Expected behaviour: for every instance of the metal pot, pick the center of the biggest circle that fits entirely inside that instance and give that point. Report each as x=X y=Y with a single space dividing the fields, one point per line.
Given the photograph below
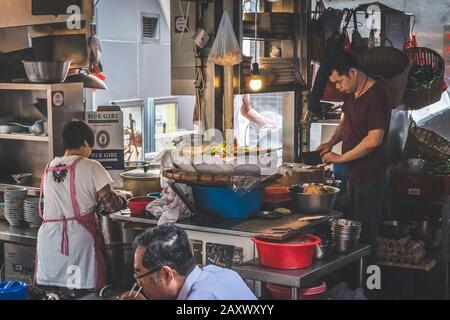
x=111 y=230
x=47 y=71
x=428 y=231
x=311 y=204
x=133 y=165
x=141 y=183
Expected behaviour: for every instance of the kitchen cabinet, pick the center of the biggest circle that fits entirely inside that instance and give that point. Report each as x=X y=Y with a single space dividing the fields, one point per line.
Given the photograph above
x=27 y=153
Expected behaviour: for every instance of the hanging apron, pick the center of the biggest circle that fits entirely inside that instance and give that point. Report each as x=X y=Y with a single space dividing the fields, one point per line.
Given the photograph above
x=88 y=221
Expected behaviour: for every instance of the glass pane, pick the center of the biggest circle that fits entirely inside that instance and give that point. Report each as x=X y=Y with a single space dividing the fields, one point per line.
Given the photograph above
x=133 y=133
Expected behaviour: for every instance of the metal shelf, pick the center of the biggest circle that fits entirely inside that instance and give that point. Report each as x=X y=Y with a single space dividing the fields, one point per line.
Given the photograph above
x=24 y=86
x=24 y=137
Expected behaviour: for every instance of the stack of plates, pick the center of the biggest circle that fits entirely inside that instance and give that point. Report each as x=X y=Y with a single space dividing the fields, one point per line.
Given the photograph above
x=31 y=212
x=346 y=233
x=14 y=198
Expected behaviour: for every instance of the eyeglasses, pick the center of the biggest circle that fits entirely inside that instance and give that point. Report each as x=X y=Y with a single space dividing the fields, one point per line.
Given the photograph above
x=138 y=276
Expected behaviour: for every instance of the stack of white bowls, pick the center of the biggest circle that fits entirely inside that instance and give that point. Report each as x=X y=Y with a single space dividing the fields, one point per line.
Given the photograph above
x=31 y=212
x=14 y=199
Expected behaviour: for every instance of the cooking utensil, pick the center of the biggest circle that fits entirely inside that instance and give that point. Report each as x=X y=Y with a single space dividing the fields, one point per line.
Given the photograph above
x=312 y=158
x=346 y=233
x=314 y=204
x=47 y=71
x=88 y=80
x=325 y=249
x=141 y=183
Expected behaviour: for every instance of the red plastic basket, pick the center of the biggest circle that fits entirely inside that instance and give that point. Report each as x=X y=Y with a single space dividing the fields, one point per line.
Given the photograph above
x=285 y=293
x=287 y=256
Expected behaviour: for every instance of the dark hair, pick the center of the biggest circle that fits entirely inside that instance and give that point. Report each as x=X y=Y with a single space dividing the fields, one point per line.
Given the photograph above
x=166 y=245
x=343 y=62
x=75 y=133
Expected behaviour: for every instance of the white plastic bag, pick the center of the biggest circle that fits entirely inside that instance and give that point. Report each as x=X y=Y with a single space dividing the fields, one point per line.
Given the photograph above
x=225 y=50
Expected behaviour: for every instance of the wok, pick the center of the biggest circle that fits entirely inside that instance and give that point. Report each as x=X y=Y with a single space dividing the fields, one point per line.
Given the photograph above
x=88 y=80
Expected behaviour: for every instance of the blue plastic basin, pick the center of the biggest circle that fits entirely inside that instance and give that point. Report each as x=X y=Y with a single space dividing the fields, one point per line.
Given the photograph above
x=13 y=290
x=227 y=203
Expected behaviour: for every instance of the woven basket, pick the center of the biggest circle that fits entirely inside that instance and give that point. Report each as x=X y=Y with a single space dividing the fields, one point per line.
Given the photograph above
x=213 y=180
x=425 y=144
x=418 y=98
x=390 y=64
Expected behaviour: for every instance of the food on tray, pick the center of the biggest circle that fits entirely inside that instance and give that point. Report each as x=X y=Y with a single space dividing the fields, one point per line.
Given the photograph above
x=283 y=211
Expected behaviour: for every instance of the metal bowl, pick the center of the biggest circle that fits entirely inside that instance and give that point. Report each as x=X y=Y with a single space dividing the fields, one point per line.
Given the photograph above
x=312 y=204
x=47 y=71
x=325 y=249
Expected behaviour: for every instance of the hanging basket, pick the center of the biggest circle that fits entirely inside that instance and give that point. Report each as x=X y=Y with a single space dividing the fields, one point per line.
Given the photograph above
x=422 y=97
x=390 y=64
x=425 y=144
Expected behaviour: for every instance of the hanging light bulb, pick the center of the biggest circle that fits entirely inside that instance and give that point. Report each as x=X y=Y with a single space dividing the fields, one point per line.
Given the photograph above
x=256 y=81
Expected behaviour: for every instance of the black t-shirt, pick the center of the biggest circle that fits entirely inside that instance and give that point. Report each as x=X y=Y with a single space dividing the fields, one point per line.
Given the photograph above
x=368 y=112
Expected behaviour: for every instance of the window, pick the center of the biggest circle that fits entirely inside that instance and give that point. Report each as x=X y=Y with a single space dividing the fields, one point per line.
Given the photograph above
x=150 y=27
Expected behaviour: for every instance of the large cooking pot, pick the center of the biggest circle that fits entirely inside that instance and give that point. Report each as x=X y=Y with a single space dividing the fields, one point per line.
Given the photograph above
x=141 y=183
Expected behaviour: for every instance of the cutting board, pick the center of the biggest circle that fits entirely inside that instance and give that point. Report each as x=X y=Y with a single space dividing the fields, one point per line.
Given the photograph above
x=271 y=229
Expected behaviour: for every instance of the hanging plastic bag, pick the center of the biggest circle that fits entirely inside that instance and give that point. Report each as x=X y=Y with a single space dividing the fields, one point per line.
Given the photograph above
x=225 y=50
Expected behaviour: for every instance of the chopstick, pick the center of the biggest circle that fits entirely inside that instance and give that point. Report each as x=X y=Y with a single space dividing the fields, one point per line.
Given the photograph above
x=132 y=289
x=138 y=292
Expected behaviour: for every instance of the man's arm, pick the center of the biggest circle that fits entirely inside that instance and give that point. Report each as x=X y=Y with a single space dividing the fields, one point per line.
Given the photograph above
x=373 y=140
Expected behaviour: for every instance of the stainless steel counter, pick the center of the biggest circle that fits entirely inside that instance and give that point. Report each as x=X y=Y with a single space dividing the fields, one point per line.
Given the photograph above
x=208 y=224
x=20 y=235
x=252 y=270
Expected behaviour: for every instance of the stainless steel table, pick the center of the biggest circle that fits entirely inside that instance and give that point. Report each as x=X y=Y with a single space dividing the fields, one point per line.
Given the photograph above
x=252 y=270
x=20 y=235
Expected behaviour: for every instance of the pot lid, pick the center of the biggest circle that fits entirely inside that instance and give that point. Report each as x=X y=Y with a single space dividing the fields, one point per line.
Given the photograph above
x=139 y=174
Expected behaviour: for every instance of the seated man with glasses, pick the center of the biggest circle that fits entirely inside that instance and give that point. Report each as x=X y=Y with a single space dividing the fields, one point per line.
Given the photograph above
x=165 y=270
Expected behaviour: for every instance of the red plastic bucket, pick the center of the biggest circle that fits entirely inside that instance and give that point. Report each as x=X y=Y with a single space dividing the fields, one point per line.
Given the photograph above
x=285 y=293
x=286 y=255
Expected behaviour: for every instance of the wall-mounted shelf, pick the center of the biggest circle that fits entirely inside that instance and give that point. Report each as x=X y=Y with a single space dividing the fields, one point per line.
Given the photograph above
x=24 y=137
x=24 y=86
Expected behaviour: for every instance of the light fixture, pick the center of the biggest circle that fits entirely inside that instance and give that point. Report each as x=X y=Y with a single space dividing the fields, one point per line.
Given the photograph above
x=256 y=81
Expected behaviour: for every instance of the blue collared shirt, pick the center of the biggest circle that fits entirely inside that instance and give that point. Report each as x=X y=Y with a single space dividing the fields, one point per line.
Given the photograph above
x=214 y=283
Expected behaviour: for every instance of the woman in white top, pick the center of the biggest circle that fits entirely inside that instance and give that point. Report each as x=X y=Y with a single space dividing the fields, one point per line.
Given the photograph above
x=69 y=243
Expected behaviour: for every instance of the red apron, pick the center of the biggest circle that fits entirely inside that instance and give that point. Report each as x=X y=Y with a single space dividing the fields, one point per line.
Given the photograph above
x=88 y=221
